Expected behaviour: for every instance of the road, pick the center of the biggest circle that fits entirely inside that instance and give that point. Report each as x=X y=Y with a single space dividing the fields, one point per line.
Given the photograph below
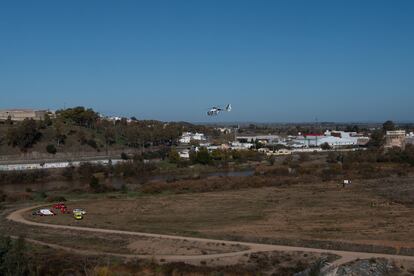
x=55 y=165
x=345 y=256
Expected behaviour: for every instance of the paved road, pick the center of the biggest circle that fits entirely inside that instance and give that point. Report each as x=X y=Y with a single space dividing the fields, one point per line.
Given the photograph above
x=345 y=256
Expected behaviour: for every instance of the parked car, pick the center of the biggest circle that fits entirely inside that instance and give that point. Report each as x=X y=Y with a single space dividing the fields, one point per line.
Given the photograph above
x=79 y=210
x=59 y=206
x=44 y=212
x=78 y=215
x=65 y=210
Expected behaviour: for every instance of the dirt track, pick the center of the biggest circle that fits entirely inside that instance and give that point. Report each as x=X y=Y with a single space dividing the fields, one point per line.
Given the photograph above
x=346 y=256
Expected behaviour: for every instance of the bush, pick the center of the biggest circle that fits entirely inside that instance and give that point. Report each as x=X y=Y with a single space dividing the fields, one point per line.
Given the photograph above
x=68 y=172
x=272 y=160
x=87 y=170
x=173 y=156
x=288 y=160
x=124 y=156
x=325 y=146
x=92 y=143
x=42 y=194
x=51 y=149
x=3 y=196
x=25 y=135
x=133 y=168
x=124 y=189
x=94 y=184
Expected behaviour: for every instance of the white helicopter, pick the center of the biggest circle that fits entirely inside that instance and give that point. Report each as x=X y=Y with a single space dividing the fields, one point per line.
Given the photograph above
x=214 y=111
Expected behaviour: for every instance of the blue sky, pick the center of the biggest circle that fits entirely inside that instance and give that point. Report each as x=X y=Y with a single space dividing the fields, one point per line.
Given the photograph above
x=275 y=61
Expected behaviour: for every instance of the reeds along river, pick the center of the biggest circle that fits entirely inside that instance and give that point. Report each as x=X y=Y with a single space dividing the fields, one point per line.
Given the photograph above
x=117 y=183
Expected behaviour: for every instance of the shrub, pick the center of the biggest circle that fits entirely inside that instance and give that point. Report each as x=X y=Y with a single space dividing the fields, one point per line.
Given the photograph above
x=94 y=184
x=173 y=156
x=272 y=160
x=87 y=170
x=68 y=172
x=325 y=146
x=3 y=196
x=124 y=189
x=124 y=156
x=51 y=149
x=92 y=143
x=25 y=135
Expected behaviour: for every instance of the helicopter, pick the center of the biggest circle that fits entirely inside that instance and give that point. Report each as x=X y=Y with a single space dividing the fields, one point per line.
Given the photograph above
x=214 y=111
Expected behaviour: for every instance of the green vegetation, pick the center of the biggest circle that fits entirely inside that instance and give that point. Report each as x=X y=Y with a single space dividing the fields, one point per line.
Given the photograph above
x=51 y=149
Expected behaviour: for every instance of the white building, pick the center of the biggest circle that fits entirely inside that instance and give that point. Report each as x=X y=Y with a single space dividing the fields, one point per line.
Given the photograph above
x=184 y=154
x=264 y=139
x=332 y=138
x=224 y=130
x=241 y=146
x=187 y=137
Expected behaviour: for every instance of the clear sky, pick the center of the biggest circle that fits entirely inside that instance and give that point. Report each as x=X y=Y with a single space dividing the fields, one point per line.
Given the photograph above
x=275 y=61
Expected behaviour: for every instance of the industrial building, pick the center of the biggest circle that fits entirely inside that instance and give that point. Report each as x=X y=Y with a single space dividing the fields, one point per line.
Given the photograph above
x=395 y=138
x=264 y=139
x=334 y=139
x=21 y=114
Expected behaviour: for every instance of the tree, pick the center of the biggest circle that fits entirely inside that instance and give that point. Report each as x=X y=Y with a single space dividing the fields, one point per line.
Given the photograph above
x=24 y=135
x=47 y=120
x=203 y=156
x=51 y=149
x=173 y=156
x=388 y=125
x=58 y=132
x=326 y=146
x=109 y=135
x=377 y=139
x=124 y=156
x=79 y=116
x=94 y=184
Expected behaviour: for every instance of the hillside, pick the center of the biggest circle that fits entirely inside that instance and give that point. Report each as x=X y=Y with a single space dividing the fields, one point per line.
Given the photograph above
x=83 y=131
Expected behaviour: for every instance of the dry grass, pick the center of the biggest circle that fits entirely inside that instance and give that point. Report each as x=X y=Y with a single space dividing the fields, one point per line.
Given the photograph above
x=323 y=211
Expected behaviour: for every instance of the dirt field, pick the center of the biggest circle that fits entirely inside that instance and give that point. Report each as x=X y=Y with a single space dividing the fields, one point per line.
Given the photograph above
x=366 y=213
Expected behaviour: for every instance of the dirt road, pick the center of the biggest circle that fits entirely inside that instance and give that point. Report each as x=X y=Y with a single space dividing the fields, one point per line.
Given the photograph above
x=345 y=256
